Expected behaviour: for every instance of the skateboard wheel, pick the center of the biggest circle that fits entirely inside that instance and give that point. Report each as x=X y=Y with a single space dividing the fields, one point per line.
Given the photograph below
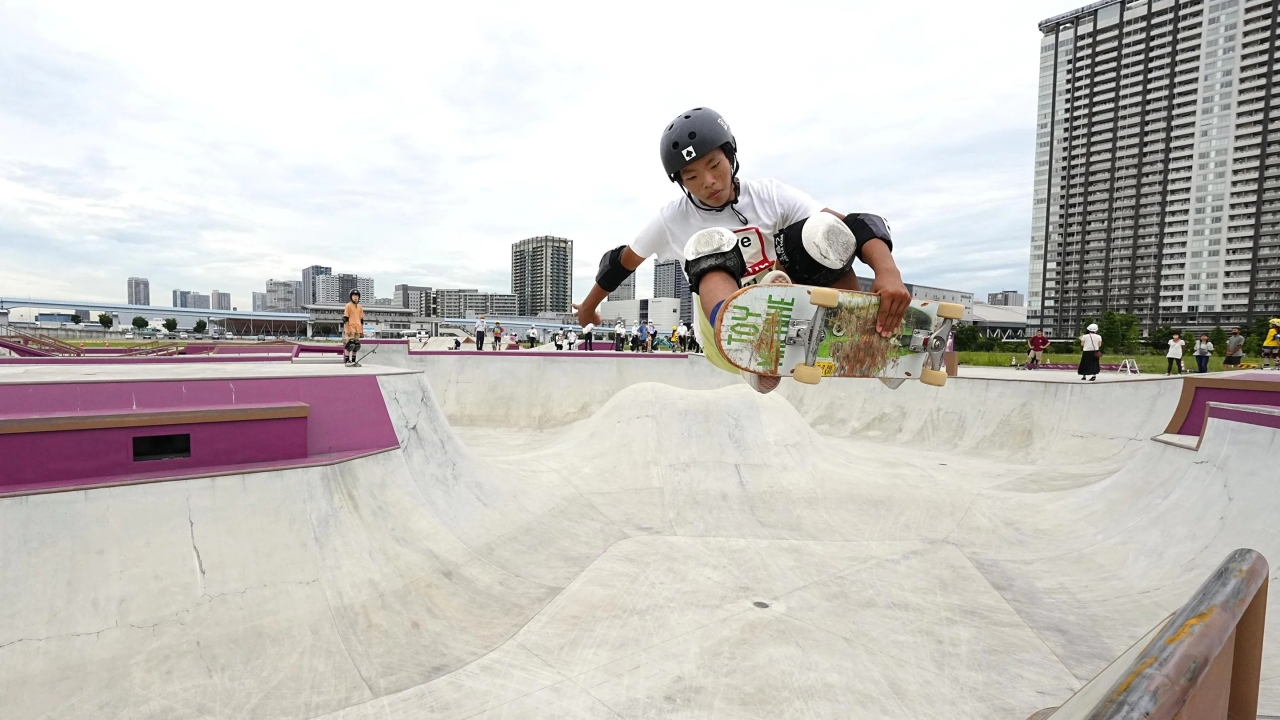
x=824 y=297
x=950 y=311
x=936 y=378
x=808 y=374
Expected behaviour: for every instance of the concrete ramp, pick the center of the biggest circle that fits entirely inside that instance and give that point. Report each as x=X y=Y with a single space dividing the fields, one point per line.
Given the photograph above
x=651 y=540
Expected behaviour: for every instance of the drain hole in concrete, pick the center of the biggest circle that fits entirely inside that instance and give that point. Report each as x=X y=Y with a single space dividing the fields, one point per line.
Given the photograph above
x=760 y=604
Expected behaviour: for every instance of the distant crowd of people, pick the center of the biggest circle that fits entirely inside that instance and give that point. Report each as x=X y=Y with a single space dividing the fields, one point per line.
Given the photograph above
x=640 y=337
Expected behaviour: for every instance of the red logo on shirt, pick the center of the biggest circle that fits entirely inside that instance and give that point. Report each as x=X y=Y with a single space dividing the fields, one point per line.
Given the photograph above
x=754 y=250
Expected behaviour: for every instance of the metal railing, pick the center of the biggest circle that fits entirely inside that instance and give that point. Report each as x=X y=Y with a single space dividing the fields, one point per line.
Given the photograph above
x=42 y=342
x=1204 y=662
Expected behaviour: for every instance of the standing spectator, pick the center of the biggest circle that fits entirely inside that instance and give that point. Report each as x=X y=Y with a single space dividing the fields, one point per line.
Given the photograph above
x=619 y=335
x=1039 y=343
x=559 y=338
x=1174 y=356
x=651 y=337
x=499 y=334
x=532 y=335
x=682 y=337
x=1091 y=353
x=586 y=336
x=635 y=337
x=480 y=328
x=693 y=339
x=572 y=336
x=1235 y=350
x=1202 y=351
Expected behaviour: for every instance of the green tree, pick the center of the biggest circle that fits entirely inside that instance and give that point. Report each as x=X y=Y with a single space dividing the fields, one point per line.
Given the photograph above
x=105 y=321
x=200 y=327
x=1160 y=338
x=1119 y=332
x=1218 y=337
x=140 y=322
x=76 y=319
x=170 y=324
x=968 y=337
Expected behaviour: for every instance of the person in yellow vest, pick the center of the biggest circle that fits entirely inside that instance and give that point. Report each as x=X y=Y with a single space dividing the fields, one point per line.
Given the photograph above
x=1271 y=346
x=352 y=329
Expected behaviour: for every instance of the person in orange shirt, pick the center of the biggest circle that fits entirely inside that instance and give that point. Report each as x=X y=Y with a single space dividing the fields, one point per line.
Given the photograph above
x=352 y=329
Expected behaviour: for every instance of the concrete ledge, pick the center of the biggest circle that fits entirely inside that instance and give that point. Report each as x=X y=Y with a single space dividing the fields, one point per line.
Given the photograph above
x=91 y=420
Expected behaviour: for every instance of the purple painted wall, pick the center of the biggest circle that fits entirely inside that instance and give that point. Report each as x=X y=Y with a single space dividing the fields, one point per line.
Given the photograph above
x=1194 y=422
x=347 y=415
x=1245 y=416
x=69 y=458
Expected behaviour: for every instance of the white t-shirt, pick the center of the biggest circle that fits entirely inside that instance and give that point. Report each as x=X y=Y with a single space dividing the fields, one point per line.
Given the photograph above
x=587 y=330
x=768 y=206
x=480 y=326
x=1090 y=342
x=532 y=333
x=681 y=331
x=1175 y=348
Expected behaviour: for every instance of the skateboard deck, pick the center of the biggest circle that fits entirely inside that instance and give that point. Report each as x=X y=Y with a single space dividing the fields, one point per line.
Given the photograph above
x=809 y=333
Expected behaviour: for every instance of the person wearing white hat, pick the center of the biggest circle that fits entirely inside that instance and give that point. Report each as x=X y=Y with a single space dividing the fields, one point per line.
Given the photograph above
x=1091 y=352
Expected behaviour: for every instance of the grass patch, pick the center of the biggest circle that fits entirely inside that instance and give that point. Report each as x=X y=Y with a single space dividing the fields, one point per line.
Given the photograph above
x=1146 y=363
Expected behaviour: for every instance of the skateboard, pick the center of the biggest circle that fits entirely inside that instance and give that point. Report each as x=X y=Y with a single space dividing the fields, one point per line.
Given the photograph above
x=367 y=354
x=809 y=333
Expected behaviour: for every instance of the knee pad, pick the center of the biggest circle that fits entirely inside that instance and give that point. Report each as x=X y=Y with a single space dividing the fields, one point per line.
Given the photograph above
x=713 y=249
x=816 y=250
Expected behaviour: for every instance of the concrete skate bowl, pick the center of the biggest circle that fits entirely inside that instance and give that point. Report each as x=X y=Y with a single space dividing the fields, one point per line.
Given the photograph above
x=657 y=542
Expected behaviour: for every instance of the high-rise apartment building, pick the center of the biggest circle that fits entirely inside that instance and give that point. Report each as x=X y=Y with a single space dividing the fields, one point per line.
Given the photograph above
x=625 y=291
x=309 y=276
x=1157 y=179
x=199 y=301
x=417 y=297
x=1008 y=298
x=220 y=301
x=337 y=289
x=456 y=303
x=669 y=281
x=181 y=298
x=259 y=302
x=542 y=274
x=139 y=291
x=284 y=296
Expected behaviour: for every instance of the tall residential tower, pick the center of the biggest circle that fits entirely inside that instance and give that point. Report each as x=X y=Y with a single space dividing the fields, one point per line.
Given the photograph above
x=542 y=274
x=1157 y=178
x=669 y=281
x=139 y=291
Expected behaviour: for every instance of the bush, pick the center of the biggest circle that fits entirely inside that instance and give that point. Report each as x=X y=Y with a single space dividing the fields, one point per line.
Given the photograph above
x=1218 y=337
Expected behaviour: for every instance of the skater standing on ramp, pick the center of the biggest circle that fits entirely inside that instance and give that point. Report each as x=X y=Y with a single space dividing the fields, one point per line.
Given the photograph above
x=730 y=232
x=1271 y=346
x=1091 y=353
x=352 y=329
x=1036 y=354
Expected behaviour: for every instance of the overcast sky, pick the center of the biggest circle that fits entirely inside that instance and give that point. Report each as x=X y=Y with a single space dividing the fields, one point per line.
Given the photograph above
x=414 y=142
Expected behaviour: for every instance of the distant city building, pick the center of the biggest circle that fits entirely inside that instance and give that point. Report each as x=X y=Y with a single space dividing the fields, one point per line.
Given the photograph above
x=259 y=302
x=337 y=288
x=284 y=296
x=309 y=276
x=664 y=312
x=220 y=301
x=1010 y=298
x=625 y=291
x=542 y=274
x=1002 y=322
x=466 y=303
x=185 y=298
x=925 y=292
x=388 y=302
x=418 y=298
x=669 y=281
x=1156 y=166
x=199 y=301
x=139 y=291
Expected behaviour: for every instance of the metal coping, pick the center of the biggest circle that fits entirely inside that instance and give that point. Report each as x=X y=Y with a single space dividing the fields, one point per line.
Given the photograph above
x=1046 y=24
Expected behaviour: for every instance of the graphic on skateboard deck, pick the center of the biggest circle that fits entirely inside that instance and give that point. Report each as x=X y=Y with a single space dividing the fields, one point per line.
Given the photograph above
x=810 y=332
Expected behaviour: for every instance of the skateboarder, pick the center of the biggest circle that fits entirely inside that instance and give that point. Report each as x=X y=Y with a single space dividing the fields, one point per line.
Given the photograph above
x=352 y=329
x=1271 y=346
x=730 y=232
x=1036 y=354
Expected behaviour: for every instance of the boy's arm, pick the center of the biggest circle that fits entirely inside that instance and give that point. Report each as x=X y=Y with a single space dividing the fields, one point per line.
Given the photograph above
x=894 y=296
x=586 y=311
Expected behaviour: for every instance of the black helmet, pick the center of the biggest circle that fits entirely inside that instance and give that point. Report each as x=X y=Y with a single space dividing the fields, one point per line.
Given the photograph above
x=354 y=292
x=694 y=134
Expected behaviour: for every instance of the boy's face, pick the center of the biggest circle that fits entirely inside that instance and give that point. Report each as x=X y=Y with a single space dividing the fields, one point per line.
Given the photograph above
x=709 y=178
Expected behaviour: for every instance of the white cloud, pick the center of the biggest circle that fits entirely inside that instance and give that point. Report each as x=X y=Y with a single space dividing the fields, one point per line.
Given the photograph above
x=219 y=145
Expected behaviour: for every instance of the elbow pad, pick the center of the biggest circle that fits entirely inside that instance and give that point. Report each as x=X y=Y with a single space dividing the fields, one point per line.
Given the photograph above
x=612 y=272
x=867 y=227
x=345 y=320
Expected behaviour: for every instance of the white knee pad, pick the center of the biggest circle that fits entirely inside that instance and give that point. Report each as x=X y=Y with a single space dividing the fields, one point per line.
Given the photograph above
x=829 y=241
x=709 y=242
